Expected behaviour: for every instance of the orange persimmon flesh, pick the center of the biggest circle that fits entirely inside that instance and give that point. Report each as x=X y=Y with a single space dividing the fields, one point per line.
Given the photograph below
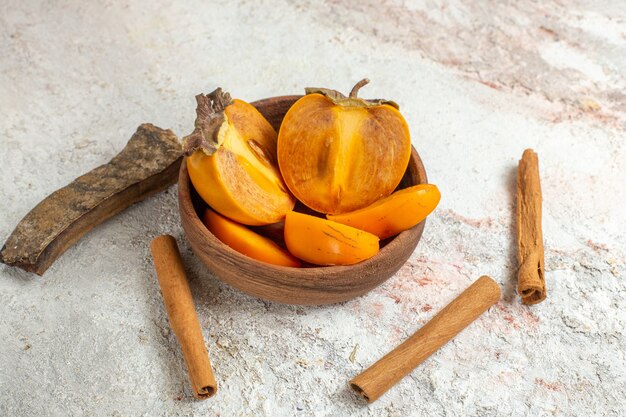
x=245 y=241
x=324 y=242
x=398 y=212
x=338 y=155
x=240 y=179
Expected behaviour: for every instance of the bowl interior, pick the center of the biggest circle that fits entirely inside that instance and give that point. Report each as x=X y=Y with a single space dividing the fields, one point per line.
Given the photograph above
x=311 y=285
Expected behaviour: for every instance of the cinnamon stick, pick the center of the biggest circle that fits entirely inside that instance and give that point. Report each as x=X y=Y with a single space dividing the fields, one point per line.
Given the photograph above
x=182 y=314
x=457 y=315
x=531 y=284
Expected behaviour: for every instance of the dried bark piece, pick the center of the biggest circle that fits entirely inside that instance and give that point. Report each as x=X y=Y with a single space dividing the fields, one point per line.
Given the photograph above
x=148 y=164
x=531 y=283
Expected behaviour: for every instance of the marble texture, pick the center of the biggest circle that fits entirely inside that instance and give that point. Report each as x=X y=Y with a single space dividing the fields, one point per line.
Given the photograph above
x=478 y=83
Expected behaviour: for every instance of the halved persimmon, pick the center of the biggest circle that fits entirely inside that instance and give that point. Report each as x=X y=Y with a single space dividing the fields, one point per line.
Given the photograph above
x=324 y=242
x=231 y=159
x=245 y=241
x=338 y=154
x=394 y=214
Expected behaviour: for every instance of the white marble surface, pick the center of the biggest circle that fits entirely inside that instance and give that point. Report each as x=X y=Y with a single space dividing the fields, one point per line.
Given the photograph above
x=477 y=81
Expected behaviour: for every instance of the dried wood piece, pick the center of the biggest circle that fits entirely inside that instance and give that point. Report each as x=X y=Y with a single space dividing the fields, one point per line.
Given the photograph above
x=456 y=316
x=148 y=164
x=531 y=283
x=182 y=314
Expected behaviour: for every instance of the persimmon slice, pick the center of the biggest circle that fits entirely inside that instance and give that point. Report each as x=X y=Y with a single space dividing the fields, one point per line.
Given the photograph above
x=338 y=154
x=231 y=160
x=245 y=241
x=391 y=215
x=324 y=242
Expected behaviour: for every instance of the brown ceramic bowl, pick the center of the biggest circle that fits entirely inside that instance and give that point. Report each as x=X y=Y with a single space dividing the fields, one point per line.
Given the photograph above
x=315 y=285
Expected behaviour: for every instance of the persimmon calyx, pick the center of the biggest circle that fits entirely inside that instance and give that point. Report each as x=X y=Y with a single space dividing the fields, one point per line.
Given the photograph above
x=351 y=100
x=210 y=118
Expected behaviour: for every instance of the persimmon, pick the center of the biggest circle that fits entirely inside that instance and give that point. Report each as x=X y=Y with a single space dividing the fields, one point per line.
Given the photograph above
x=245 y=241
x=324 y=242
x=338 y=154
x=231 y=159
x=394 y=214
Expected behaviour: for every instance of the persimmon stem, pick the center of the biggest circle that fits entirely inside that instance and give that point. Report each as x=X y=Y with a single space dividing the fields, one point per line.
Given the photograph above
x=209 y=119
x=357 y=87
x=192 y=142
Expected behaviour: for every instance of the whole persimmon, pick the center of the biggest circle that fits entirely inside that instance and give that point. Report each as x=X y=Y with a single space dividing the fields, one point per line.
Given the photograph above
x=231 y=159
x=338 y=154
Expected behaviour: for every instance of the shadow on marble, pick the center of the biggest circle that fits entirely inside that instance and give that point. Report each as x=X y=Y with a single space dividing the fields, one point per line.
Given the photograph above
x=509 y=284
x=18 y=274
